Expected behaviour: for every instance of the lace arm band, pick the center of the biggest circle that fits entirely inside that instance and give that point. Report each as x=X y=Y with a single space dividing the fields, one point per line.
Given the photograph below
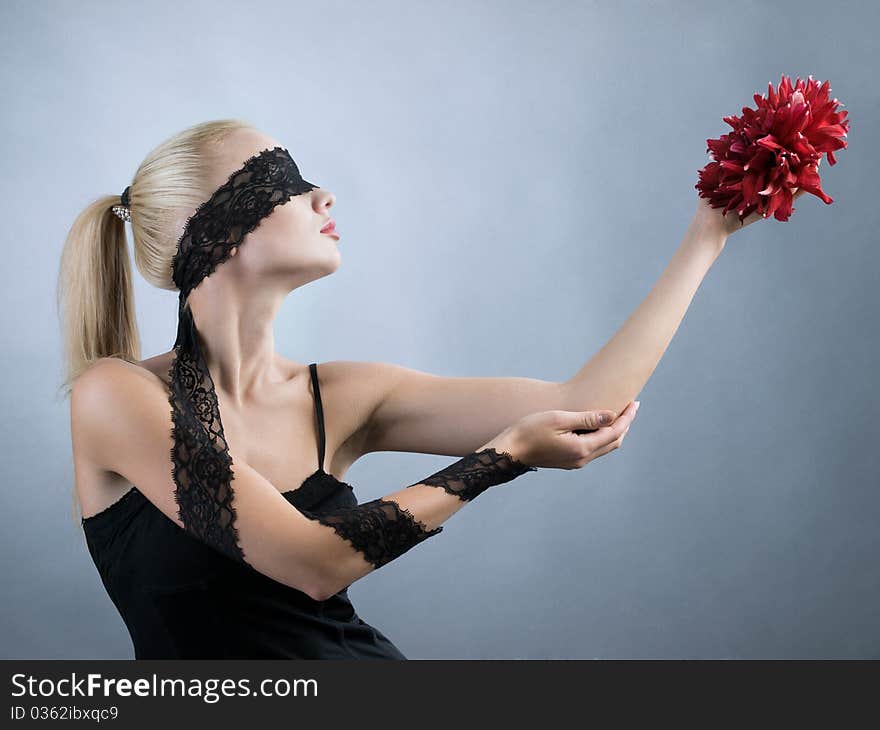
x=381 y=530
x=475 y=473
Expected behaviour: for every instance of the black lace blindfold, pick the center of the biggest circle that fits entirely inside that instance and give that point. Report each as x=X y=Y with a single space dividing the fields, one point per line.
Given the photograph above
x=200 y=455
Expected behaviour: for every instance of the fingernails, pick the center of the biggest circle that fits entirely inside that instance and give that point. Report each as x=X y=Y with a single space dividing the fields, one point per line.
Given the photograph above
x=637 y=404
x=605 y=418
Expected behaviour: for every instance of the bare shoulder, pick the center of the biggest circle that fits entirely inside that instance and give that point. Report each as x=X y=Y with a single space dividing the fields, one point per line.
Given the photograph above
x=100 y=397
x=108 y=375
x=369 y=372
x=364 y=383
x=358 y=387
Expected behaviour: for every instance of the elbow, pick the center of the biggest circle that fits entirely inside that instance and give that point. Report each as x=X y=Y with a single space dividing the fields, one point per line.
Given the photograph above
x=318 y=594
x=331 y=582
x=317 y=587
x=323 y=585
x=326 y=571
x=323 y=591
x=308 y=578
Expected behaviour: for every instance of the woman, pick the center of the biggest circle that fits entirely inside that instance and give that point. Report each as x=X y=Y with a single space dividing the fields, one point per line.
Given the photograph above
x=235 y=547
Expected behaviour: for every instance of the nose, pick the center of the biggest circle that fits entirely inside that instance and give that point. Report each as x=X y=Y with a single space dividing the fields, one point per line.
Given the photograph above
x=325 y=198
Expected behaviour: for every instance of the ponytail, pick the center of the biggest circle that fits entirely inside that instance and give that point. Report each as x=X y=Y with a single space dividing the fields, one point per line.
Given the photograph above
x=95 y=297
x=95 y=294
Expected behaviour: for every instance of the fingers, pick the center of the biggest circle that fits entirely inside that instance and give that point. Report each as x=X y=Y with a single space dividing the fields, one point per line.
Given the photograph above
x=608 y=438
x=614 y=443
x=607 y=448
x=608 y=434
x=587 y=420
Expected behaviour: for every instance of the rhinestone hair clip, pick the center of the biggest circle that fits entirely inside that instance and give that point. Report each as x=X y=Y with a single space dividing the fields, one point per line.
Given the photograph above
x=123 y=209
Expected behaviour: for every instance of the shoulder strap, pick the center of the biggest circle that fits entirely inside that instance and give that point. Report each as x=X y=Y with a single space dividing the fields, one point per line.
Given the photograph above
x=319 y=409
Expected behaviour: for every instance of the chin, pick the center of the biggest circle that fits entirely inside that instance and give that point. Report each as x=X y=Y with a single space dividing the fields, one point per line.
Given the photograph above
x=330 y=262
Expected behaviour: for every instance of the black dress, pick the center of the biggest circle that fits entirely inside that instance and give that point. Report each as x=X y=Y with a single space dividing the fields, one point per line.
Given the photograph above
x=181 y=599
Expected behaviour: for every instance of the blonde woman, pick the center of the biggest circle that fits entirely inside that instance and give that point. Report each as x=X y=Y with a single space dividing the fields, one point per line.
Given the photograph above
x=236 y=537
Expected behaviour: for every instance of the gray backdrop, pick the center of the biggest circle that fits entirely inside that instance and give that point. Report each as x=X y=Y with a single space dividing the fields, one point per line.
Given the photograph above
x=511 y=179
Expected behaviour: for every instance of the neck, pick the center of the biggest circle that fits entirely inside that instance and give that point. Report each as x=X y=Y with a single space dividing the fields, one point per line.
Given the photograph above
x=236 y=333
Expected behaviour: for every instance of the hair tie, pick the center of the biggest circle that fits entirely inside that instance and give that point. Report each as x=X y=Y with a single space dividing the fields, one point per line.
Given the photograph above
x=123 y=209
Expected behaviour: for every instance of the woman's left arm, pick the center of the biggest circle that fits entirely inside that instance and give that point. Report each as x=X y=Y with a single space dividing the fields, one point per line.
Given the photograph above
x=615 y=375
x=401 y=409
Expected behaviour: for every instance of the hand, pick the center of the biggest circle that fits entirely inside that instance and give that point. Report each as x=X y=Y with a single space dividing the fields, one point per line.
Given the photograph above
x=563 y=439
x=710 y=219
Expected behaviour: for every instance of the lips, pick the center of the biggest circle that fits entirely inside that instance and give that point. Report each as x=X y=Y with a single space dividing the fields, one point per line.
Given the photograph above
x=330 y=227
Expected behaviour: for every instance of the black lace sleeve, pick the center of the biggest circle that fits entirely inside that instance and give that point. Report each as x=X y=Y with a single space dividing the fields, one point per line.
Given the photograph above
x=382 y=530
x=475 y=473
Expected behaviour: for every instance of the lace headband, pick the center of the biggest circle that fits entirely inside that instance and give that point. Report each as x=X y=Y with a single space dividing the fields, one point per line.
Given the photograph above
x=200 y=455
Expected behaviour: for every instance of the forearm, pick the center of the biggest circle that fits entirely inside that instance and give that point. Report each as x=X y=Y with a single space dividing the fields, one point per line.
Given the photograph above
x=376 y=532
x=615 y=375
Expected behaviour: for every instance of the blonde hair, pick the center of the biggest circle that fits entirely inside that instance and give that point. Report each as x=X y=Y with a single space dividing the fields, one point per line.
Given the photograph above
x=95 y=298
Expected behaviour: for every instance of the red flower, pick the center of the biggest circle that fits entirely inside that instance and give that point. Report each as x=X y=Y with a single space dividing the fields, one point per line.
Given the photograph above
x=773 y=149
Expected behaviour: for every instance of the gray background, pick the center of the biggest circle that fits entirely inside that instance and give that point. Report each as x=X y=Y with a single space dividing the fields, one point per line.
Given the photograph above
x=511 y=178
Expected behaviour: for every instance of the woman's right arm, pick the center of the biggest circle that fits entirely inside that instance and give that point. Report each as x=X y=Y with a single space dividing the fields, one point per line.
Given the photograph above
x=124 y=424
